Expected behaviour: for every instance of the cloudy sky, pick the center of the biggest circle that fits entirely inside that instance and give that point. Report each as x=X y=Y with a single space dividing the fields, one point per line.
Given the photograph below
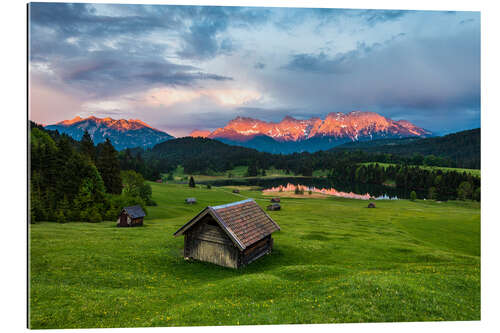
x=181 y=68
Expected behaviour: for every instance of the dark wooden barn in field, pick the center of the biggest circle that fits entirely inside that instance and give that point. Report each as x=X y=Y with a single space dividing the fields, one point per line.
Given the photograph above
x=231 y=235
x=132 y=216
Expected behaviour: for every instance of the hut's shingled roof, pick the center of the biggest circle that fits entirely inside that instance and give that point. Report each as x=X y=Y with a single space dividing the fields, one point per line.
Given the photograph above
x=244 y=221
x=134 y=211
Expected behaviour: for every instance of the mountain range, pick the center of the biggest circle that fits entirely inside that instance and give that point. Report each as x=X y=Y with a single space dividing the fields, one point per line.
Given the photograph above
x=122 y=133
x=287 y=136
x=295 y=135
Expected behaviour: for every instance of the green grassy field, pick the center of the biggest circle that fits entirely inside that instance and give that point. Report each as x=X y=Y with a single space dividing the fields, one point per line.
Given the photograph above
x=334 y=261
x=474 y=172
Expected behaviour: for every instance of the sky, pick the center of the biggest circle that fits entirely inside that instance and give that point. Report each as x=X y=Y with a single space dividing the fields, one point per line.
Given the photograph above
x=181 y=68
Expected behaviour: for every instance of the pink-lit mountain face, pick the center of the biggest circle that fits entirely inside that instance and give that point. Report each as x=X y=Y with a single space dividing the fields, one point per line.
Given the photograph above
x=355 y=125
x=293 y=135
x=121 y=132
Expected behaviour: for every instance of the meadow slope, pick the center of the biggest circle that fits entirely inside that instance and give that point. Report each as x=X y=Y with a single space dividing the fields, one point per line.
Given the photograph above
x=334 y=261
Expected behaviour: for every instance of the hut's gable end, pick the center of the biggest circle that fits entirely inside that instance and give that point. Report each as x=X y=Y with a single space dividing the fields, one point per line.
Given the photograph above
x=206 y=241
x=208 y=229
x=216 y=253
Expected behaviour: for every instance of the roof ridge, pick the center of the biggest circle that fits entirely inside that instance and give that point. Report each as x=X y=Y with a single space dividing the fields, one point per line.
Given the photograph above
x=232 y=204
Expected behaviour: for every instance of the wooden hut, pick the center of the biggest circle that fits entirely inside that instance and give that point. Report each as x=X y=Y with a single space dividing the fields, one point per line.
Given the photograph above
x=231 y=235
x=190 y=201
x=132 y=216
x=276 y=199
x=274 y=206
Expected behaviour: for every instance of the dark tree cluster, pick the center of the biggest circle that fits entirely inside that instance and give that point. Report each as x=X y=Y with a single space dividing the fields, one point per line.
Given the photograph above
x=150 y=167
x=75 y=180
x=345 y=171
x=437 y=184
x=434 y=184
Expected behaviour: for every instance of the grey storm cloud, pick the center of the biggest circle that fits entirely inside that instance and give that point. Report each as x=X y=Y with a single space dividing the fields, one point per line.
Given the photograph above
x=342 y=62
x=290 y=17
x=200 y=39
x=129 y=65
x=198 y=26
x=259 y=65
x=109 y=73
x=375 y=16
x=70 y=19
x=92 y=64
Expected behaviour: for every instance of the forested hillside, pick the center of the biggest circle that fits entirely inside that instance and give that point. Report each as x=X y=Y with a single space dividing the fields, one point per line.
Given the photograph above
x=462 y=149
x=78 y=181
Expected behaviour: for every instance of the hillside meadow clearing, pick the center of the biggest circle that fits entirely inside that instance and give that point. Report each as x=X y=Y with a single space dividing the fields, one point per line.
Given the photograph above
x=334 y=261
x=473 y=172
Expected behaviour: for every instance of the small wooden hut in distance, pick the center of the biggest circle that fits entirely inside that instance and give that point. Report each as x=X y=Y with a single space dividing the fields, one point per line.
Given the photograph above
x=274 y=206
x=191 y=201
x=231 y=235
x=131 y=217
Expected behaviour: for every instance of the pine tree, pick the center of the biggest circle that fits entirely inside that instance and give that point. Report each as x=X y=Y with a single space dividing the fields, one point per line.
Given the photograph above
x=477 y=194
x=109 y=167
x=64 y=207
x=252 y=170
x=432 y=193
x=464 y=191
x=191 y=182
x=87 y=146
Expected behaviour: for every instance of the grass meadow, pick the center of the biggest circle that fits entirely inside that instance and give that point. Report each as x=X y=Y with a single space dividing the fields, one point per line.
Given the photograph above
x=334 y=261
x=473 y=172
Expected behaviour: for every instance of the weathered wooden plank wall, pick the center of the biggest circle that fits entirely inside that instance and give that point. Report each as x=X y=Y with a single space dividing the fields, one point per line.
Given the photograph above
x=208 y=242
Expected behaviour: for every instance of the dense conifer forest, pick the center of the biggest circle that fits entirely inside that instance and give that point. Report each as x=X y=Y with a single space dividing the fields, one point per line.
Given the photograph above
x=78 y=181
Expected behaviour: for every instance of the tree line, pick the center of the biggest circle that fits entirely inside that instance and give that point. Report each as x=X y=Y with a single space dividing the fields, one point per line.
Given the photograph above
x=430 y=184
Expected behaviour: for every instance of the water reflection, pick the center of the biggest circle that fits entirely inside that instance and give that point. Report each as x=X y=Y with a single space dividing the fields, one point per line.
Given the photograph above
x=331 y=191
x=379 y=192
x=386 y=197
